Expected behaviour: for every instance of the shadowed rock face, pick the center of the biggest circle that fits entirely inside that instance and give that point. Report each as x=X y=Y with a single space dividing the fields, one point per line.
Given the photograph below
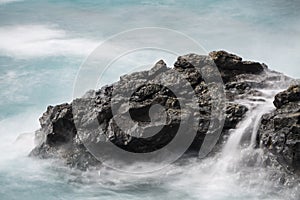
x=292 y=94
x=231 y=65
x=279 y=132
x=95 y=115
x=227 y=61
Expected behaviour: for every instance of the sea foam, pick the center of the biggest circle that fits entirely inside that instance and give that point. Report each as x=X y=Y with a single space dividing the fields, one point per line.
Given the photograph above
x=23 y=41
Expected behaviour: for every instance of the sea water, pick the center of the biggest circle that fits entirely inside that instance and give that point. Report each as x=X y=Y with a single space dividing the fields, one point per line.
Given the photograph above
x=43 y=44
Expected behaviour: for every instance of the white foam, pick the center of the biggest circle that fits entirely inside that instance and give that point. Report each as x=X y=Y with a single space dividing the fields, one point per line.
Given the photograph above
x=17 y=136
x=25 y=41
x=7 y=1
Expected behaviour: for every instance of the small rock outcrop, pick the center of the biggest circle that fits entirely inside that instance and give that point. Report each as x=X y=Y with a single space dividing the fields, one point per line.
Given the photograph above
x=231 y=65
x=292 y=94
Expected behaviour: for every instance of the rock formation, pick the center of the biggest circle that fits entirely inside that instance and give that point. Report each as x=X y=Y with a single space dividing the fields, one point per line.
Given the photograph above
x=95 y=115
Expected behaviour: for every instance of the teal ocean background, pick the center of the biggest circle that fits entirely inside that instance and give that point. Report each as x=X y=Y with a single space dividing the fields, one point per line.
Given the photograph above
x=44 y=43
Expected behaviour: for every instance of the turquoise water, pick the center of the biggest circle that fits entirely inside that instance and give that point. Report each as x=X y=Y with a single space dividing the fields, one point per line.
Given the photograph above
x=43 y=44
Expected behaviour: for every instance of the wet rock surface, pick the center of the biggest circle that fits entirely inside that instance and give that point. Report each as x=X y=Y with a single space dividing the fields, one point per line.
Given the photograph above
x=279 y=132
x=292 y=94
x=143 y=111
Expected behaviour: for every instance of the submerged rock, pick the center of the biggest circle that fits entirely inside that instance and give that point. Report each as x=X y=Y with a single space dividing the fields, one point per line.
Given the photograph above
x=143 y=111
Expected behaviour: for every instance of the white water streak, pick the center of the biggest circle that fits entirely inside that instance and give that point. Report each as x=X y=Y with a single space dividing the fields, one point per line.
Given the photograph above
x=27 y=41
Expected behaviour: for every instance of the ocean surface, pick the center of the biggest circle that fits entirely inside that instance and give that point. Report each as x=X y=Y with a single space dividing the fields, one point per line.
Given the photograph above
x=44 y=43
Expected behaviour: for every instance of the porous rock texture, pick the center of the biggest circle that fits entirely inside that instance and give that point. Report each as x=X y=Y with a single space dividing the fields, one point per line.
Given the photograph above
x=279 y=131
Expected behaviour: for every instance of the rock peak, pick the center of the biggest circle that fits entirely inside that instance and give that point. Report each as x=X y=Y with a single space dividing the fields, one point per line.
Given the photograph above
x=159 y=67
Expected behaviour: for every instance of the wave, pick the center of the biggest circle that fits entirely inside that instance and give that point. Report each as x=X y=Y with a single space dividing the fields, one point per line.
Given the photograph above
x=27 y=41
x=13 y=144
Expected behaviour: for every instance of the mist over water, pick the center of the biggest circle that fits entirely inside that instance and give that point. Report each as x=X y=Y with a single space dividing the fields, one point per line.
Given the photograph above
x=43 y=44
